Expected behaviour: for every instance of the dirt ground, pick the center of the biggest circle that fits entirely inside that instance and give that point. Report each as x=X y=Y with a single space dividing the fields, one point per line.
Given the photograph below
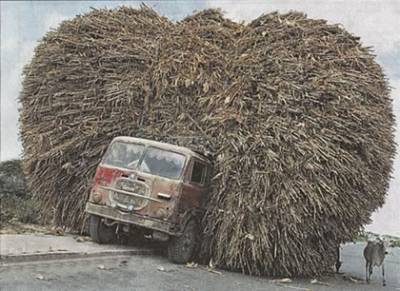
x=16 y=227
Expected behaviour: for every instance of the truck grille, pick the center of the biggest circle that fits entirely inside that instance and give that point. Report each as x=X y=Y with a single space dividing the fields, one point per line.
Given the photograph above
x=129 y=200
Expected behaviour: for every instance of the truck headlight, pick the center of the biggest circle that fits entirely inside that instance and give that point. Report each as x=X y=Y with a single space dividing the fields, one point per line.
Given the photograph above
x=96 y=197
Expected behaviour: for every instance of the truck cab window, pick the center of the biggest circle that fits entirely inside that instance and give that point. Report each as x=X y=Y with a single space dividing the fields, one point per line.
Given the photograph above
x=198 y=172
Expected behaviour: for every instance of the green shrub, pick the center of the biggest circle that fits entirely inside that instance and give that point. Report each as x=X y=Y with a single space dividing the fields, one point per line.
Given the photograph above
x=26 y=212
x=395 y=243
x=12 y=179
x=16 y=202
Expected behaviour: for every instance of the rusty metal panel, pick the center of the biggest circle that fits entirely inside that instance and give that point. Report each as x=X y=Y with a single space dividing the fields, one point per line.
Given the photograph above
x=130 y=218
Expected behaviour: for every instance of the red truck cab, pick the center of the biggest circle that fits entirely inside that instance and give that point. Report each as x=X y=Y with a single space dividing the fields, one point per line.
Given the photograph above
x=152 y=187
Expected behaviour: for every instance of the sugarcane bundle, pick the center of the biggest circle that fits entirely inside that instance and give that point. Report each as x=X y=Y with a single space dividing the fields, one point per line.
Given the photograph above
x=87 y=83
x=311 y=149
x=295 y=112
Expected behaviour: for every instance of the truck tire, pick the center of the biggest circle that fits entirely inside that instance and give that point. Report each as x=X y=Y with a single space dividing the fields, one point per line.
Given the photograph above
x=99 y=232
x=182 y=249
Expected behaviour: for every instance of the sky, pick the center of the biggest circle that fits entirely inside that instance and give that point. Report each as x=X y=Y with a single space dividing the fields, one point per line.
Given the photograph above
x=377 y=22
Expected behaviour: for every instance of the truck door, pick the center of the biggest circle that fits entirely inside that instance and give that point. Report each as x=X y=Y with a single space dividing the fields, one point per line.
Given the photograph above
x=194 y=186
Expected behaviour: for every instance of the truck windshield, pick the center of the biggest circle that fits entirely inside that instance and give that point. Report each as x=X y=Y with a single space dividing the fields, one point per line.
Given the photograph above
x=162 y=163
x=124 y=155
x=155 y=161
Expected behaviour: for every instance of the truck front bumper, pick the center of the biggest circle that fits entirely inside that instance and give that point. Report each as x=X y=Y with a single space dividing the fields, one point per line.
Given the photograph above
x=130 y=218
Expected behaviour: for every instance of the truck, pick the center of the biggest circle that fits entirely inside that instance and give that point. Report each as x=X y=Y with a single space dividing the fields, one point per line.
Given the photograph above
x=156 y=189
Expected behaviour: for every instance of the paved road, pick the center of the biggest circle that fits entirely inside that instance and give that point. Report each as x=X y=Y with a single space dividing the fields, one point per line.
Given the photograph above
x=32 y=247
x=156 y=273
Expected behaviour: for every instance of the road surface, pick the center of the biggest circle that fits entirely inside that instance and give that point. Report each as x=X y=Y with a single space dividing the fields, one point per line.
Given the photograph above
x=138 y=272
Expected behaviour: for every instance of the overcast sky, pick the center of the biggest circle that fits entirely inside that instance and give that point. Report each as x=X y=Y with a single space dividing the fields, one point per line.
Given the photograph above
x=23 y=24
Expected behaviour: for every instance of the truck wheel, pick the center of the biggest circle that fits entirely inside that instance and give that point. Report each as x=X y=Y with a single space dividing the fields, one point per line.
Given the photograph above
x=181 y=249
x=100 y=232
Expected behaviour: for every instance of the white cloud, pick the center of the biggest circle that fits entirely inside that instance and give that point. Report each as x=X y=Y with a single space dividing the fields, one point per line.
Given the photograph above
x=10 y=43
x=53 y=20
x=10 y=88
